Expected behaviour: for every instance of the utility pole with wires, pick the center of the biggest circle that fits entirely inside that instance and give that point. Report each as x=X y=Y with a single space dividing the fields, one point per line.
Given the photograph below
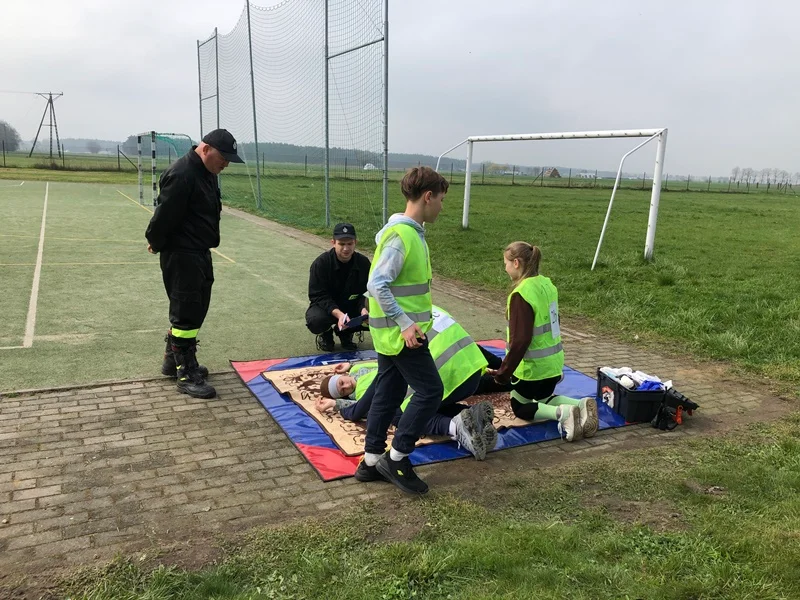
x=50 y=108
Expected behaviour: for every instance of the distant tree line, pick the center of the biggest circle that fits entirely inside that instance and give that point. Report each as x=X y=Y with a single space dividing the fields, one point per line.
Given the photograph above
x=767 y=176
x=9 y=137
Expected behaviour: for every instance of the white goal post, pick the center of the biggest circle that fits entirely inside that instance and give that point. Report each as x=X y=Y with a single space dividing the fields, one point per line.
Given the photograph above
x=650 y=134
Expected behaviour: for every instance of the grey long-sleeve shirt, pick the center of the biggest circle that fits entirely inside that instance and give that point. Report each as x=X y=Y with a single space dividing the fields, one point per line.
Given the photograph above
x=388 y=267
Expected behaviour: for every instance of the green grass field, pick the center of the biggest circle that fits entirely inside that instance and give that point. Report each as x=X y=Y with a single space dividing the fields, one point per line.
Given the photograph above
x=674 y=522
x=671 y=523
x=101 y=311
x=78 y=162
x=723 y=284
x=101 y=305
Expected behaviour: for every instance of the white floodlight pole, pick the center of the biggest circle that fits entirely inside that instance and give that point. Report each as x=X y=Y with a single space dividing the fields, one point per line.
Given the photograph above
x=467 y=187
x=655 y=196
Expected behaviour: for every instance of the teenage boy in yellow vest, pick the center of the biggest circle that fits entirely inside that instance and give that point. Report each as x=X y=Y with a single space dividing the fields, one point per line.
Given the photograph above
x=399 y=317
x=460 y=362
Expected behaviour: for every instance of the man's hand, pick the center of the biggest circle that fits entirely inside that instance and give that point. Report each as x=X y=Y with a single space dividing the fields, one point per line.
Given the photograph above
x=342 y=318
x=341 y=368
x=501 y=381
x=365 y=312
x=412 y=336
x=150 y=249
x=324 y=405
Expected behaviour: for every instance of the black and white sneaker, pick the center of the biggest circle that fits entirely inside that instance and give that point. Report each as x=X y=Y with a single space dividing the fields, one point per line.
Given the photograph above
x=468 y=434
x=365 y=473
x=483 y=415
x=401 y=473
x=325 y=341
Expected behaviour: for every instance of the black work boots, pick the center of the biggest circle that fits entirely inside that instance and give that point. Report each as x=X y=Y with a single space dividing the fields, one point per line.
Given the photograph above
x=169 y=368
x=191 y=377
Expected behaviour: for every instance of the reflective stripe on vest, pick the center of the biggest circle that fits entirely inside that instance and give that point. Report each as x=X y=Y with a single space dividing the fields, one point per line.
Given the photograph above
x=384 y=322
x=400 y=291
x=544 y=357
x=411 y=289
x=546 y=328
x=452 y=350
x=544 y=352
x=455 y=353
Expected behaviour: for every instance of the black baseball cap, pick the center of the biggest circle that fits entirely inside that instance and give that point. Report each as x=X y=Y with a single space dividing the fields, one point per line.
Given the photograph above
x=344 y=230
x=224 y=142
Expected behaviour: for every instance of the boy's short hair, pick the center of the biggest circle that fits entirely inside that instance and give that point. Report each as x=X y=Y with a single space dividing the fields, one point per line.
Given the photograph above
x=419 y=180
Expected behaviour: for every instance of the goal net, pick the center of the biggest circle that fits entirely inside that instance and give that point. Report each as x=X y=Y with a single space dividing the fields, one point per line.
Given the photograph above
x=301 y=86
x=156 y=151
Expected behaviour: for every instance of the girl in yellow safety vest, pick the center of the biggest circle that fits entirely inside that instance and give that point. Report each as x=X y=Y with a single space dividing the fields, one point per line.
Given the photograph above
x=534 y=356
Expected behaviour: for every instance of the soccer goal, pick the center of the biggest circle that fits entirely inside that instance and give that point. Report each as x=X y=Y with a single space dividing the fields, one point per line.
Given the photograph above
x=650 y=134
x=164 y=147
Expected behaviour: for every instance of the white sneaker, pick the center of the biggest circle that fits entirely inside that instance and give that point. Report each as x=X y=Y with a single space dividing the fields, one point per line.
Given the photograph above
x=589 y=420
x=483 y=416
x=569 y=422
x=468 y=435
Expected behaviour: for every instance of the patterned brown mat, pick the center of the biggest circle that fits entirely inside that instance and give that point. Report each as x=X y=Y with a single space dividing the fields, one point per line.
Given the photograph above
x=302 y=386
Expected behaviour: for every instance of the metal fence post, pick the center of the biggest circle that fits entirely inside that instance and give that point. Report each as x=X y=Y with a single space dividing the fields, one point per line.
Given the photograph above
x=327 y=157
x=253 y=94
x=385 y=110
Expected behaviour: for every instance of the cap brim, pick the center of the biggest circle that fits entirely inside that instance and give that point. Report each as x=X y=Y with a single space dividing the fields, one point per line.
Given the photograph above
x=345 y=236
x=232 y=157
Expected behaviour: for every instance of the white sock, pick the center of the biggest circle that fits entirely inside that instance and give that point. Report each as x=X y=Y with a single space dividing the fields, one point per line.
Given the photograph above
x=371 y=459
x=395 y=455
x=452 y=429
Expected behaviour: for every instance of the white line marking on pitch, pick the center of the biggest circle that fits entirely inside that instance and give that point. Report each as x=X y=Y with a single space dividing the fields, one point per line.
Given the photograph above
x=30 y=324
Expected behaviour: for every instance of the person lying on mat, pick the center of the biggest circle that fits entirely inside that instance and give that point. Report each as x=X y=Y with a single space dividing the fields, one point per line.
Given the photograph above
x=534 y=360
x=460 y=363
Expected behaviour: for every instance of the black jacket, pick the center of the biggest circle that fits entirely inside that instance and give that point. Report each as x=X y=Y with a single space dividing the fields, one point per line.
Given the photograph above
x=188 y=207
x=328 y=289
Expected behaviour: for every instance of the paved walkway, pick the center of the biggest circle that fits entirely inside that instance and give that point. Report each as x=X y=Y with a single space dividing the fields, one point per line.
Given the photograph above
x=88 y=473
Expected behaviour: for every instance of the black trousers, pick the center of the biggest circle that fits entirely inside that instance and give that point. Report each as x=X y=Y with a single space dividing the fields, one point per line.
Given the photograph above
x=319 y=320
x=534 y=390
x=449 y=407
x=395 y=373
x=188 y=278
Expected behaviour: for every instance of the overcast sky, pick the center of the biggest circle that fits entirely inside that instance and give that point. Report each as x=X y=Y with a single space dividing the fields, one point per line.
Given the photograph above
x=722 y=75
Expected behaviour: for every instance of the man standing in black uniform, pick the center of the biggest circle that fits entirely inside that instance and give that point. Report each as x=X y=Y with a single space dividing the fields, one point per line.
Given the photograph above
x=336 y=286
x=184 y=227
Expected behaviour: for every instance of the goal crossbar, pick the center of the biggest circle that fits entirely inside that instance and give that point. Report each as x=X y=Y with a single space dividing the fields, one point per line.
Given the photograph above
x=655 y=196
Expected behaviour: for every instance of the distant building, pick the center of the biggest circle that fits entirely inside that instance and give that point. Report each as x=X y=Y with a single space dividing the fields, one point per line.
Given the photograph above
x=551 y=172
x=586 y=175
x=370 y=167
